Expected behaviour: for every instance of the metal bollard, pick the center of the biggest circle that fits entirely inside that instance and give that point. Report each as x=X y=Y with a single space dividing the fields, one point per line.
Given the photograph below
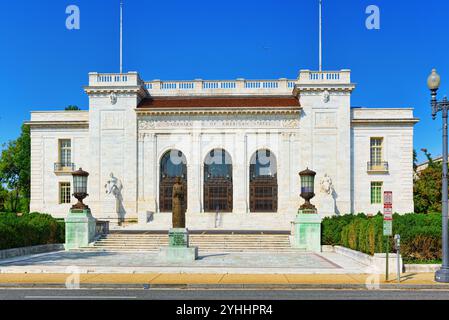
x=397 y=244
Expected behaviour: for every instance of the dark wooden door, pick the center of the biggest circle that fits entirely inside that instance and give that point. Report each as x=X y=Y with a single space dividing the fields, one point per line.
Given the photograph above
x=264 y=194
x=218 y=195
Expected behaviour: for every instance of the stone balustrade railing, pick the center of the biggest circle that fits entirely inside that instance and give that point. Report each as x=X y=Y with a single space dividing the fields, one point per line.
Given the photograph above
x=220 y=87
x=325 y=77
x=114 y=79
x=217 y=87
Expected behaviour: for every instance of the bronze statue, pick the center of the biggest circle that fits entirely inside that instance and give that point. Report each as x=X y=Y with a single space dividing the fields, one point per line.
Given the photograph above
x=179 y=215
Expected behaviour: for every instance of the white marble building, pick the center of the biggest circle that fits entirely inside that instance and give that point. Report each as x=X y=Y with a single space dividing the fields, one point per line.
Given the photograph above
x=132 y=126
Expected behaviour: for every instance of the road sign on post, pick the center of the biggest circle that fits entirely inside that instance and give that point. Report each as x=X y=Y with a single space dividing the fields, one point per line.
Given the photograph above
x=388 y=213
x=388 y=224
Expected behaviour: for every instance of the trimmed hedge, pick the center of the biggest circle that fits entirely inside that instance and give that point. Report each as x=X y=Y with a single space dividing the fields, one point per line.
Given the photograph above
x=420 y=234
x=29 y=230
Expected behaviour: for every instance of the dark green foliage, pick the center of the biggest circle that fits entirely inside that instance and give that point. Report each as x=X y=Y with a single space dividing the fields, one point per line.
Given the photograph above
x=420 y=234
x=15 y=168
x=28 y=230
x=72 y=108
x=427 y=187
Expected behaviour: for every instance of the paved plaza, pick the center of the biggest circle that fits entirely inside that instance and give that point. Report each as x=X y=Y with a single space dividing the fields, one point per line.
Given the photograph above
x=141 y=262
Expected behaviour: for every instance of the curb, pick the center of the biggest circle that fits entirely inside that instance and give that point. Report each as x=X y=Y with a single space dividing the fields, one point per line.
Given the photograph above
x=226 y=286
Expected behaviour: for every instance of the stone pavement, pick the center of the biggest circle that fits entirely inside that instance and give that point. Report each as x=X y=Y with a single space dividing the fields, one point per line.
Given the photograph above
x=284 y=270
x=144 y=262
x=339 y=281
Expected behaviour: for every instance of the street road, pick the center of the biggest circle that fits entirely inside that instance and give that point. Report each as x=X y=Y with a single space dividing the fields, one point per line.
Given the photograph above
x=183 y=294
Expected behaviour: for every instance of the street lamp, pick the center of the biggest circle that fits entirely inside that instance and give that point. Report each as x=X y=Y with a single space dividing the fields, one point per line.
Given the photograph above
x=433 y=82
x=307 y=188
x=80 y=188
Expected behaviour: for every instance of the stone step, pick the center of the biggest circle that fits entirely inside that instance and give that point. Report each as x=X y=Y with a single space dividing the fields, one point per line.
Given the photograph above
x=220 y=245
x=191 y=240
x=215 y=251
x=215 y=243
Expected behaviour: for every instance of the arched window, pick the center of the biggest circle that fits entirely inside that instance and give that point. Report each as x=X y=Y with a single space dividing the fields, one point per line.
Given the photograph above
x=218 y=181
x=173 y=164
x=263 y=182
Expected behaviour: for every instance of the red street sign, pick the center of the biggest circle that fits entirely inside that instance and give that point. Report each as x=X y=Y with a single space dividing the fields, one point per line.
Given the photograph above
x=388 y=198
x=388 y=206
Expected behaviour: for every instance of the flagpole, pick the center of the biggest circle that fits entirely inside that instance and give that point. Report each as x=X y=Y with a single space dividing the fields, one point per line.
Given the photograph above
x=321 y=39
x=121 y=36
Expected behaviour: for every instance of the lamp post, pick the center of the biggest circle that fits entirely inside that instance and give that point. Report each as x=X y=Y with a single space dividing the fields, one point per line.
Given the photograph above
x=80 y=225
x=433 y=82
x=307 y=188
x=306 y=230
x=80 y=188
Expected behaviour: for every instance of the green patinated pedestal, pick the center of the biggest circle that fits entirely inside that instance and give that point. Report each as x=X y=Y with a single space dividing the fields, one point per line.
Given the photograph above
x=178 y=249
x=307 y=228
x=79 y=229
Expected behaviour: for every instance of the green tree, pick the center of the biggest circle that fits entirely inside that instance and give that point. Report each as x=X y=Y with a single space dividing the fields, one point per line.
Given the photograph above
x=72 y=108
x=3 y=198
x=427 y=187
x=15 y=167
x=415 y=160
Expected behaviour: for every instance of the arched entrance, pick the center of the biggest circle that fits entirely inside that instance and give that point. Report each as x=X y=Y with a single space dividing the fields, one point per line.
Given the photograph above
x=173 y=164
x=218 y=181
x=263 y=182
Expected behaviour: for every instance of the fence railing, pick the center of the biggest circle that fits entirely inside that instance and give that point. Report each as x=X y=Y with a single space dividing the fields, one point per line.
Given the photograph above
x=378 y=167
x=239 y=86
x=64 y=167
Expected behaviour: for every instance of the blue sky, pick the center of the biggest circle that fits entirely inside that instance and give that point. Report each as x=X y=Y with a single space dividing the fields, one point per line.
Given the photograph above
x=44 y=66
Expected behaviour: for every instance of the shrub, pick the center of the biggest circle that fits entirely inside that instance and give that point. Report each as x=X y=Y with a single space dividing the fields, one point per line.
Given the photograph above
x=420 y=234
x=28 y=230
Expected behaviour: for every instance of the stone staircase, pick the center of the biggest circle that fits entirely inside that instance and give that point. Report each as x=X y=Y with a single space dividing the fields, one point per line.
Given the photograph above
x=206 y=242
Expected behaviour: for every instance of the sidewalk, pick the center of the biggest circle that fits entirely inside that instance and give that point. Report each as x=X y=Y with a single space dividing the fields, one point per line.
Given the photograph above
x=211 y=281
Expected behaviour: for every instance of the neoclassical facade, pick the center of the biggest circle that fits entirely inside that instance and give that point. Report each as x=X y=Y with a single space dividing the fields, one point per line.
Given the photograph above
x=238 y=145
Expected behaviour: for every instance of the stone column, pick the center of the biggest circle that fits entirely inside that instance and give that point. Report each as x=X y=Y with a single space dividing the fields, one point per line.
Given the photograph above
x=240 y=180
x=193 y=174
x=283 y=173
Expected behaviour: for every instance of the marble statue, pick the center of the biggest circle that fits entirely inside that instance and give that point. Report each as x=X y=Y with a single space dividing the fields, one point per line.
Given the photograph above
x=179 y=215
x=326 y=185
x=113 y=186
x=327 y=207
x=112 y=203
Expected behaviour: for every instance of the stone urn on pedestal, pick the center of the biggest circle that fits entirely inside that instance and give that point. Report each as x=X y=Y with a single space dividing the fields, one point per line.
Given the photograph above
x=307 y=225
x=79 y=224
x=179 y=249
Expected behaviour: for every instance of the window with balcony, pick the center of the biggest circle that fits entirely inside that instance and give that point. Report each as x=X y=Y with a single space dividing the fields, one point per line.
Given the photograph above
x=377 y=163
x=64 y=193
x=376 y=192
x=64 y=163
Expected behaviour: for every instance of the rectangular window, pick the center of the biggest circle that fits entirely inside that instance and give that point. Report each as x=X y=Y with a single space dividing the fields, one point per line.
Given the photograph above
x=376 y=192
x=64 y=193
x=65 y=152
x=376 y=151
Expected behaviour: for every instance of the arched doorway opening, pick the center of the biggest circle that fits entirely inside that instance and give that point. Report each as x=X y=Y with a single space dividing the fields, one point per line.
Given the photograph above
x=263 y=182
x=218 y=182
x=173 y=164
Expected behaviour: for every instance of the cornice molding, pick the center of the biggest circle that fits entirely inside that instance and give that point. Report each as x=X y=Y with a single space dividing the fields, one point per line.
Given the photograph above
x=106 y=91
x=221 y=111
x=320 y=88
x=58 y=124
x=408 y=121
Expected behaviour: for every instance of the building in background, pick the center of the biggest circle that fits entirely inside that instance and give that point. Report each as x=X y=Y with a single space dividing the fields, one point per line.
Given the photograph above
x=238 y=145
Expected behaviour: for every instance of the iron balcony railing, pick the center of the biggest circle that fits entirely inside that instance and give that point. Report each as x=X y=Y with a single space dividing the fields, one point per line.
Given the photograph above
x=378 y=167
x=64 y=167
